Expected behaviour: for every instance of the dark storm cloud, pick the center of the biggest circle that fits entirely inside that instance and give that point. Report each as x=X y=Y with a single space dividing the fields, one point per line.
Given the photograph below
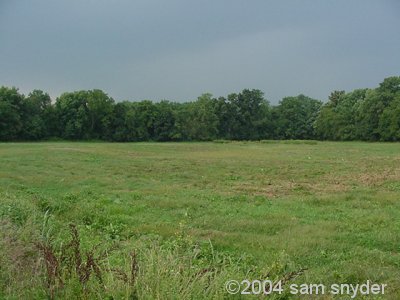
x=179 y=49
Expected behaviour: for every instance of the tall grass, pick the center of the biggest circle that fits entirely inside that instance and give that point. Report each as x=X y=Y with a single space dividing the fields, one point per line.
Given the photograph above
x=37 y=264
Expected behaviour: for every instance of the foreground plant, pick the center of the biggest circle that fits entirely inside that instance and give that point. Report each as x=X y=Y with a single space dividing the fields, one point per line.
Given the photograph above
x=177 y=268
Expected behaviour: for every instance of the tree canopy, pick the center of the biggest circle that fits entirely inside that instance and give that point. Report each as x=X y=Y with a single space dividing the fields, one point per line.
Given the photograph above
x=362 y=114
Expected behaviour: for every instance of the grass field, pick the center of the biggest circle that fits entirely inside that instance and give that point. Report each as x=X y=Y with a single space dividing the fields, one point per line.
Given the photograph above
x=332 y=208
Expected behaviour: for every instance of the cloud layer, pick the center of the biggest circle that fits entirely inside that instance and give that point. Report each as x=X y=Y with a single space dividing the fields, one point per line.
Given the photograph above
x=176 y=50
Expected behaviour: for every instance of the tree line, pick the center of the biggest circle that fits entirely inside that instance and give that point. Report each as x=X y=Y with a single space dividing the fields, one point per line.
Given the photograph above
x=362 y=114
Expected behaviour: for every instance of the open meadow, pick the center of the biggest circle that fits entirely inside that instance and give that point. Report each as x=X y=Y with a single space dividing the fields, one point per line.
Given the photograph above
x=330 y=209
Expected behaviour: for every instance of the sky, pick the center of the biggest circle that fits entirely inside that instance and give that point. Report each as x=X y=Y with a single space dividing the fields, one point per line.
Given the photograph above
x=178 y=49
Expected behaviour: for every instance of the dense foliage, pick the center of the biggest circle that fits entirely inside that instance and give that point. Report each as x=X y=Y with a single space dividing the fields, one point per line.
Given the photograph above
x=363 y=114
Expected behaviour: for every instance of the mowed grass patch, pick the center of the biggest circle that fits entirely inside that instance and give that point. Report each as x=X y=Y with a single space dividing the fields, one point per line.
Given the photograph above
x=333 y=208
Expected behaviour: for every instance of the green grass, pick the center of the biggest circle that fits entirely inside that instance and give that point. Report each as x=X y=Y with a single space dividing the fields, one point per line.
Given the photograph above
x=332 y=208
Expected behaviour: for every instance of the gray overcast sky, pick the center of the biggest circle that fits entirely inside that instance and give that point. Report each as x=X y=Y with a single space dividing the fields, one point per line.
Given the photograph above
x=179 y=49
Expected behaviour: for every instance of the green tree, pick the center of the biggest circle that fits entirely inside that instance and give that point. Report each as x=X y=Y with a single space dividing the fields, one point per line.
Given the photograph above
x=389 y=122
x=85 y=115
x=11 y=102
x=72 y=113
x=121 y=123
x=164 y=121
x=244 y=116
x=295 y=117
x=100 y=113
x=327 y=124
x=36 y=116
x=227 y=122
x=140 y=121
x=370 y=111
x=338 y=118
x=200 y=121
